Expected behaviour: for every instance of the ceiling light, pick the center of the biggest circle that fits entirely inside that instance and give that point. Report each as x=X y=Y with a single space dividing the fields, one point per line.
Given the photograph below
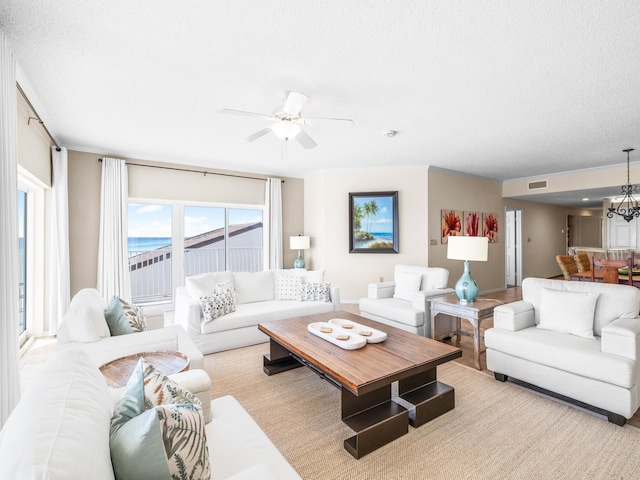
x=585 y=199
x=628 y=207
x=285 y=129
x=390 y=133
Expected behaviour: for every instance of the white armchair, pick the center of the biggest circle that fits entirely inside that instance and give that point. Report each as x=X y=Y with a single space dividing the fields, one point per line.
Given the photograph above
x=404 y=302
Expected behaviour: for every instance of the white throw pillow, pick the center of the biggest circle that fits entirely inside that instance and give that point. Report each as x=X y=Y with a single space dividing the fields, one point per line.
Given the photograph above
x=288 y=285
x=406 y=285
x=568 y=312
x=86 y=323
x=254 y=287
x=201 y=285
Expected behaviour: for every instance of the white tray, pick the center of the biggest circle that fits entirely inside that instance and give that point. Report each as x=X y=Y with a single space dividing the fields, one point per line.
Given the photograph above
x=376 y=336
x=354 y=341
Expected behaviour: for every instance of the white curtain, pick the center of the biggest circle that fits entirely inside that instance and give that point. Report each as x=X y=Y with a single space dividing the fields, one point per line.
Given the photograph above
x=273 y=212
x=9 y=277
x=60 y=276
x=113 y=264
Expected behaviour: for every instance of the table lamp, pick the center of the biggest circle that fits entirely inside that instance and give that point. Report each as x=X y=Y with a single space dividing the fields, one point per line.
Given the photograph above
x=467 y=249
x=299 y=243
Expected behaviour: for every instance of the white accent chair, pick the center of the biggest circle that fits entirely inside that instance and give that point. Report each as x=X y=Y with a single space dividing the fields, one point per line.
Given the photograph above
x=404 y=302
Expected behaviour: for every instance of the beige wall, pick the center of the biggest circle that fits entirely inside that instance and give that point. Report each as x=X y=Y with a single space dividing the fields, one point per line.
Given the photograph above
x=326 y=220
x=160 y=184
x=450 y=191
x=34 y=145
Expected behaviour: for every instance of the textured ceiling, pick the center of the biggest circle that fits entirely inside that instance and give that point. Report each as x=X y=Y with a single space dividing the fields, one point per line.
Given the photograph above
x=500 y=89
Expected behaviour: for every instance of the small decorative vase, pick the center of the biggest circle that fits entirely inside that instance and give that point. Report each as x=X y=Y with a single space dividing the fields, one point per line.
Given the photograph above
x=466 y=286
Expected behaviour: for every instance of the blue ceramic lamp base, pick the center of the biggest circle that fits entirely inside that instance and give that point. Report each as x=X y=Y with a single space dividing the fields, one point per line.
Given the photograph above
x=299 y=262
x=466 y=287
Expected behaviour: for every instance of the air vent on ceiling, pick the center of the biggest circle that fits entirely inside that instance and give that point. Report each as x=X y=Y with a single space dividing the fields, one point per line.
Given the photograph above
x=537 y=185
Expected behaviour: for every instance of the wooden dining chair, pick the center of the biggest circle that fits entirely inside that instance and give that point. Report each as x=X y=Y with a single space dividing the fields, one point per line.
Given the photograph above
x=609 y=269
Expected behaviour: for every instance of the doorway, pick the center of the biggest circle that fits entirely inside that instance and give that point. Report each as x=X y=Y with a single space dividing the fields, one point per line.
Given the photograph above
x=513 y=247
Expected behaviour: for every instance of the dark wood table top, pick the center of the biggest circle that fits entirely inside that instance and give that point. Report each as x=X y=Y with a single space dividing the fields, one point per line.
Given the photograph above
x=400 y=356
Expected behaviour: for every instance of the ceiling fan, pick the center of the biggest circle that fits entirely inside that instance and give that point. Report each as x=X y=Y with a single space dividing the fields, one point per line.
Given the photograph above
x=288 y=123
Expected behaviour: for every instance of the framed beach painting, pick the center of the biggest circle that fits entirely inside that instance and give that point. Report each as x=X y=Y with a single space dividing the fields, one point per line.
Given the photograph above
x=490 y=226
x=472 y=224
x=451 y=224
x=373 y=222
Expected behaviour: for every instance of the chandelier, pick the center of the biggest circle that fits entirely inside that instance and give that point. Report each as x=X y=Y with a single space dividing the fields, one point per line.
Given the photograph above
x=628 y=208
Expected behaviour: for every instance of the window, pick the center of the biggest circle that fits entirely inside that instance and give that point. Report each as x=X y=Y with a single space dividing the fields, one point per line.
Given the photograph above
x=150 y=247
x=169 y=242
x=22 y=262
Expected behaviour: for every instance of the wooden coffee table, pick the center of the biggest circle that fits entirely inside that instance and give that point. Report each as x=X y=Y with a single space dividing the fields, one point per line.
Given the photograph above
x=118 y=371
x=365 y=376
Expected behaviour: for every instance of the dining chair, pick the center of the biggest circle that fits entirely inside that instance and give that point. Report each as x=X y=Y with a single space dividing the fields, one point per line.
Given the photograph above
x=609 y=269
x=567 y=265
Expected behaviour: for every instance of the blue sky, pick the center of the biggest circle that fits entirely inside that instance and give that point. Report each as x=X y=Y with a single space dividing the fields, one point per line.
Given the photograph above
x=383 y=221
x=147 y=220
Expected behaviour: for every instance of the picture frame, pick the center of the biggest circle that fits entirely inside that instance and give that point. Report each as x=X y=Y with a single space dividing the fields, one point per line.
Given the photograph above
x=373 y=222
x=490 y=226
x=451 y=225
x=473 y=224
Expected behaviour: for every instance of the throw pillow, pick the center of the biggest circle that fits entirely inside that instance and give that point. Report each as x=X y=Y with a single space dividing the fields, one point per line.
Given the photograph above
x=158 y=436
x=288 y=286
x=218 y=304
x=314 y=276
x=123 y=317
x=227 y=286
x=86 y=323
x=200 y=285
x=406 y=285
x=315 y=292
x=568 y=312
x=116 y=319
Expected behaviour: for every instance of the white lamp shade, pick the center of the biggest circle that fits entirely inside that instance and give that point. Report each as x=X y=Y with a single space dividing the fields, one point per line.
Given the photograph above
x=285 y=129
x=300 y=242
x=468 y=248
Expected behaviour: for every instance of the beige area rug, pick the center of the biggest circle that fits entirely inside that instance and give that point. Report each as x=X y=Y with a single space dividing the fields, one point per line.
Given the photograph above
x=497 y=430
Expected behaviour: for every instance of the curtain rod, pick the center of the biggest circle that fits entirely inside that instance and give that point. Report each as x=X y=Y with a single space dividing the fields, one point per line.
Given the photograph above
x=204 y=172
x=37 y=117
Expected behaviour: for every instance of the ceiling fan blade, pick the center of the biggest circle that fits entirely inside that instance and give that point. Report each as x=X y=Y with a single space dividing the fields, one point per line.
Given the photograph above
x=305 y=140
x=257 y=135
x=295 y=102
x=332 y=122
x=242 y=112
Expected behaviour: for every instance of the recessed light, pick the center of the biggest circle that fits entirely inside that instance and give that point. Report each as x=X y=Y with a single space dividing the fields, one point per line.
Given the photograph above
x=390 y=133
x=585 y=199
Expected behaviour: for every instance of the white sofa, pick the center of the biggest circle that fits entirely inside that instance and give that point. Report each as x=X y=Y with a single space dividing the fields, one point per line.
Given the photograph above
x=60 y=428
x=84 y=326
x=404 y=302
x=544 y=340
x=258 y=299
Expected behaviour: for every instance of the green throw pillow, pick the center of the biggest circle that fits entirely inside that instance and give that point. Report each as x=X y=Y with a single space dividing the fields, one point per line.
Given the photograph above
x=160 y=435
x=123 y=317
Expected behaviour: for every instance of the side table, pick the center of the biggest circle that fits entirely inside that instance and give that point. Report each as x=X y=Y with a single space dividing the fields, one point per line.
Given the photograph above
x=118 y=371
x=474 y=312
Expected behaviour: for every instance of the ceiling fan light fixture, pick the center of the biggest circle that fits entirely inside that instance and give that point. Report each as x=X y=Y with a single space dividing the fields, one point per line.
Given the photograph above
x=285 y=129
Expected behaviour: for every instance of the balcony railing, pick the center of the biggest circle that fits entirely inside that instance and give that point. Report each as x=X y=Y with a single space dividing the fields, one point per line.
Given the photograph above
x=151 y=270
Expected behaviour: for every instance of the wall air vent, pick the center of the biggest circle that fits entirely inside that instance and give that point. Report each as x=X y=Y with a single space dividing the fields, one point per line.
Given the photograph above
x=537 y=185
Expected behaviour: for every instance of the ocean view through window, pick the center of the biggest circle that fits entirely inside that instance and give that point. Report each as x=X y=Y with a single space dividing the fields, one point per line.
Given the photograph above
x=167 y=243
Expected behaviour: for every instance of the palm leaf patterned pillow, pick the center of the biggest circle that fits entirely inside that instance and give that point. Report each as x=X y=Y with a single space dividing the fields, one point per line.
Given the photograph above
x=157 y=430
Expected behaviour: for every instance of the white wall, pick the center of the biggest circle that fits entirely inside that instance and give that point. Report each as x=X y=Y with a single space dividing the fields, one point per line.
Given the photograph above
x=326 y=220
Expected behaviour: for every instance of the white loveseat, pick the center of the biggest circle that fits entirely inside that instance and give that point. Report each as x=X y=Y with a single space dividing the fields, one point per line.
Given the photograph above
x=544 y=340
x=60 y=428
x=404 y=302
x=260 y=297
x=84 y=326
